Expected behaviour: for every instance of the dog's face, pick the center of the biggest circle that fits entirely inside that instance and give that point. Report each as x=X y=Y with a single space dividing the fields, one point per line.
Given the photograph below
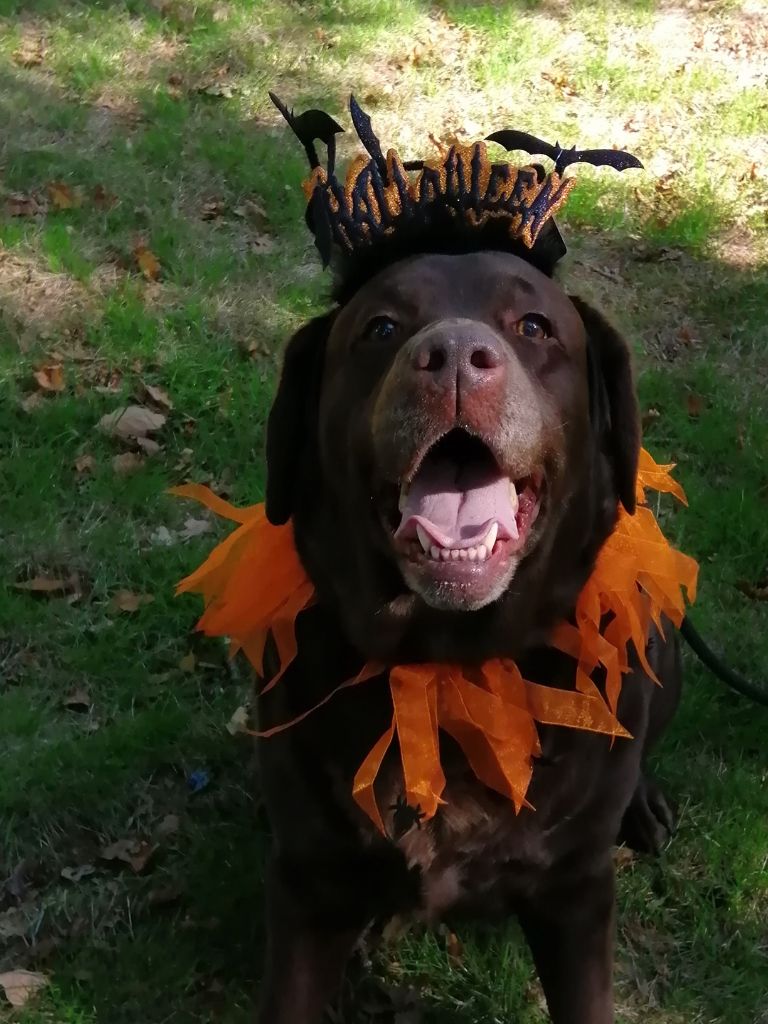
x=452 y=445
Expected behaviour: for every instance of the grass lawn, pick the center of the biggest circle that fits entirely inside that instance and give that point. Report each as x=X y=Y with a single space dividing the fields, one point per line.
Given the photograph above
x=151 y=237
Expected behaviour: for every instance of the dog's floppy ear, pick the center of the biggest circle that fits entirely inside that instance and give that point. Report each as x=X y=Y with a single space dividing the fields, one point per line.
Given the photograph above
x=612 y=400
x=293 y=417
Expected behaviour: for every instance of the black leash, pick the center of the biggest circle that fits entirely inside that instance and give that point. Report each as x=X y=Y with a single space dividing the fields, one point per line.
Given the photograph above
x=718 y=667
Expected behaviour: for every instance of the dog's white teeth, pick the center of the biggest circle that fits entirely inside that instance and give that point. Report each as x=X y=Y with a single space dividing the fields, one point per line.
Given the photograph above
x=403 y=497
x=514 y=530
x=482 y=553
x=424 y=539
x=513 y=498
x=472 y=554
x=455 y=554
x=490 y=537
x=435 y=552
x=463 y=554
x=445 y=554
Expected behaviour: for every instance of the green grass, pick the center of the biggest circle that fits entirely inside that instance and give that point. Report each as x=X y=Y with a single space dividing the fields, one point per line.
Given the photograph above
x=118 y=104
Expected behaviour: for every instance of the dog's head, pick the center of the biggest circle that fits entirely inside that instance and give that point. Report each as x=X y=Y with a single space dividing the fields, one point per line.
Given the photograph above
x=453 y=443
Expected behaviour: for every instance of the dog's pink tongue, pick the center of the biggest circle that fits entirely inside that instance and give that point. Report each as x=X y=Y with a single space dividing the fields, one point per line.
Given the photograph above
x=458 y=505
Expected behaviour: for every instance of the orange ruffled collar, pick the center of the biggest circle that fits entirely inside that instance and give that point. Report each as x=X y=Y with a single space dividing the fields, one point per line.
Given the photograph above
x=490 y=711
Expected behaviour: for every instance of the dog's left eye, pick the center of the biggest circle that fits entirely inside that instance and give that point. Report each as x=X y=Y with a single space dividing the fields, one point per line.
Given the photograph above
x=382 y=327
x=534 y=325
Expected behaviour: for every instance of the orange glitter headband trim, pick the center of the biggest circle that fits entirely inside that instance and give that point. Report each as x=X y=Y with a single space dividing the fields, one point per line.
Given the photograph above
x=490 y=711
x=461 y=187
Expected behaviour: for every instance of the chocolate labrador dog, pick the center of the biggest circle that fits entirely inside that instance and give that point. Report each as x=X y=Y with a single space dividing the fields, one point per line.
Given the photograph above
x=452 y=442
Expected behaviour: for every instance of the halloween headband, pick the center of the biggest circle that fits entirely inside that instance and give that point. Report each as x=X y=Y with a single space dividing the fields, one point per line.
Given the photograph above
x=425 y=203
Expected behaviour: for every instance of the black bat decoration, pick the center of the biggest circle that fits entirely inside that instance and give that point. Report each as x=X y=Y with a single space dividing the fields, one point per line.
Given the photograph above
x=309 y=126
x=616 y=158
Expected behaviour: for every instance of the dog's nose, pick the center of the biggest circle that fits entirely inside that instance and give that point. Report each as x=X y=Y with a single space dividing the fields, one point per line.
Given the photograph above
x=459 y=354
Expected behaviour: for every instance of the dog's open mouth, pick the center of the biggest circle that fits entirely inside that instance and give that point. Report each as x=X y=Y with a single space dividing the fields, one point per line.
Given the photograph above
x=462 y=517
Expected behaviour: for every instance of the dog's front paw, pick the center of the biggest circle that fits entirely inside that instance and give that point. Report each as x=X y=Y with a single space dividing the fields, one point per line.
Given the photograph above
x=649 y=822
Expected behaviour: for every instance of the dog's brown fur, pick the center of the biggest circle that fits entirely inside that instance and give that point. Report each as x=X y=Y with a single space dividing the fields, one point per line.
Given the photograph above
x=351 y=419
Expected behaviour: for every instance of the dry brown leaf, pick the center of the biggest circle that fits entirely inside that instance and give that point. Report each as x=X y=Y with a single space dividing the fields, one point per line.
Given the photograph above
x=262 y=244
x=23 y=204
x=188 y=662
x=127 y=463
x=85 y=464
x=147 y=262
x=102 y=198
x=19 y=986
x=649 y=416
x=239 y=722
x=32 y=402
x=695 y=405
x=31 y=52
x=623 y=857
x=79 y=873
x=52 y=586
x=165 y=895
x=136 y=852
x=212 y=209
x=195 y=527
x=50 y=377
x=755 y=592
x=251 y=209
x=168 y=826
x=455 y=949
x=128 y=601
x=148 y=446
x=131 y=421
x=155 y=396
x=78 y=700
x=62 y=196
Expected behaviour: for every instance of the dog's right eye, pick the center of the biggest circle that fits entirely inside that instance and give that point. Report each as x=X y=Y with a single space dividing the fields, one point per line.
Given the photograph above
x=381 y=327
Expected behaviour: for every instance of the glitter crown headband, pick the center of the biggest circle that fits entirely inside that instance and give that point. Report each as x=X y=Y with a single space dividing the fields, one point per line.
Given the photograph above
x=460 y=192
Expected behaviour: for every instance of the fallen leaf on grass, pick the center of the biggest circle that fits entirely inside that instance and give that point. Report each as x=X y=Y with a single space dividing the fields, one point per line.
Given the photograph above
x=128 y=601
x=623 y=857
x=30 y=54
x=20 y=986
x=168 y=826
x=162 y=537
x=165 y=895
x=154 y=396
x=212 y=209
x=62 y=196
x=50 y=377
x=79 y=873
x=147 y=262
x=14 y=923
x=252 y=210
x=238 y=723
x=51 y=586
x=135 y=852
x=102 y=198
x=754 y=591
x=24 y=204
x=649 y=416
x=148 y=446
x=455 y=949
x=131 y=421
x=78 y=700
x=187 y=663
x=127 y=463
x=195 y=527
x=262 y=244
x=695 y=405
x=32 y=402
x=84 y=464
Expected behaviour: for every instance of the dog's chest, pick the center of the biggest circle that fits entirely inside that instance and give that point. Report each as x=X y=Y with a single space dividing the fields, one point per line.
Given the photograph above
x=478 y=855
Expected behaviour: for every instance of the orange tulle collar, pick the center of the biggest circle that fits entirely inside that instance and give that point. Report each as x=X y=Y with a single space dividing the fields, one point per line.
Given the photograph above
x=490 y=711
